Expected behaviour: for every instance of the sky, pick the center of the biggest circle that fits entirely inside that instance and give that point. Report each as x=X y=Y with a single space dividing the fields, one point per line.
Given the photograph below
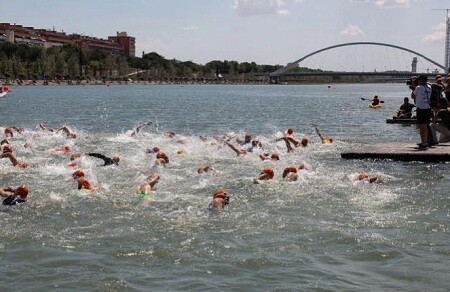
x=262 y=31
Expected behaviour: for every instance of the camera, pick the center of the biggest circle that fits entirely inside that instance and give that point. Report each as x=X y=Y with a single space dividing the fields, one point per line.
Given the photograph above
x=412 y=82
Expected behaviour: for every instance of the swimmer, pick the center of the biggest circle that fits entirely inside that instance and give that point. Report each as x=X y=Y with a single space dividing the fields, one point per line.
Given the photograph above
x=181 y=152
x=220 y=200
x=153 y=150
x=325 y=140
x=267 y=173
x=247 y=139
x=239 y=152
x=169 y=134
x=63 y=149
x=82 y=182
x=108 y=161
x=247 y=144
x=364 y=178
x=290 y=173
x=289 y=135
x=206 y=169
x=289 y=138
x=265 y=156
x=5 y=146
x=69 y=133
x=143 y=191
x=161 y=159
x=14 y=196
x=7 y=153
x=9 y=131
x=139 y=128
x=303 y=166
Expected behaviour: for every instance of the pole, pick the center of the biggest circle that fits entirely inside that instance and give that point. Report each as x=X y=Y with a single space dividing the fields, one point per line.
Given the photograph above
x=447 y=42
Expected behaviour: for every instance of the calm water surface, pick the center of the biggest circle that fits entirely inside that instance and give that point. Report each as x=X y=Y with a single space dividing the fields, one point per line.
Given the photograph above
x=321 y=233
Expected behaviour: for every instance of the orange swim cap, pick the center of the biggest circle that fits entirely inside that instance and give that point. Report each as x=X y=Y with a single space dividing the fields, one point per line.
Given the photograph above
x=269 y=172
x=288 y=170
x=222 y=194
x=77 y=174
x=163 y=156
x=22 y=191
x=84 y=184
x=275 y=156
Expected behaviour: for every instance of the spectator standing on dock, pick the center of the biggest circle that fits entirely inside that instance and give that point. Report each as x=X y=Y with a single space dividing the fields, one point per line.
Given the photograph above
x=447 y=89
x=441 y=122
x=437 y=90
x=421 y=95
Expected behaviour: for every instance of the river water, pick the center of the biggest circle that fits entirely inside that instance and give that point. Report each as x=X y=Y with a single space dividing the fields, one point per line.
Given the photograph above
x=321 y=233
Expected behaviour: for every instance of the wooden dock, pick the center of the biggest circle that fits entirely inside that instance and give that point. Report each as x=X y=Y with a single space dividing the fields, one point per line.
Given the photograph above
x=402 y=121
x=401 y=152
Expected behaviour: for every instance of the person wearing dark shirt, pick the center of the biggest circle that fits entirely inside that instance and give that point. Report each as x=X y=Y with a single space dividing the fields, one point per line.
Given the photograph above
x=441 y=122
x=405 y=111
x=108 y=161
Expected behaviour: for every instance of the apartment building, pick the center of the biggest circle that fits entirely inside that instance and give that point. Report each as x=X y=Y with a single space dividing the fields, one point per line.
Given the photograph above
x=18 y=34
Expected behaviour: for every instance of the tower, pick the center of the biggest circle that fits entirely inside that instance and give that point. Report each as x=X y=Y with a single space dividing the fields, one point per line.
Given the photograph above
x=414 y=65
x=447 y=43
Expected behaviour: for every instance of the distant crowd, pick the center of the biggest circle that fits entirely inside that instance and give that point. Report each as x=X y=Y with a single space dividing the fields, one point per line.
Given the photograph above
x=431 y=101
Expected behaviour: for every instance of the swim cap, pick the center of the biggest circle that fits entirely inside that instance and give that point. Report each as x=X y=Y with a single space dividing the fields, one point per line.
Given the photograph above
x=84 y=184
x=275 y=156
x=77 y=174
x=8 y=131
x=222 y=194
x=288 y=170
x=163 y=156
x=304 y=142
x=22 y=191
x=363 y=175
x=269 y=172
x=7 y=149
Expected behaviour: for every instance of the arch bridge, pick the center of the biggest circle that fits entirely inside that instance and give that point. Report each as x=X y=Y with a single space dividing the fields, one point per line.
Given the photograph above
x=282 y=71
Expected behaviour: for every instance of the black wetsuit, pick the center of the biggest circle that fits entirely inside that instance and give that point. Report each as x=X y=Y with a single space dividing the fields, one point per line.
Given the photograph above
x=12 y=200
x=107 y=160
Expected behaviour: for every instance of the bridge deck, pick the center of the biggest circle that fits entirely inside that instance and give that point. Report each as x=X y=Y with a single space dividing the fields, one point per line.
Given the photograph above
x=401 y=152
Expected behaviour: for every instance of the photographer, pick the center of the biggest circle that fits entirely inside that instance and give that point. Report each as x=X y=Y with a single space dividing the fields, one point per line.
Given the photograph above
x=412 y=84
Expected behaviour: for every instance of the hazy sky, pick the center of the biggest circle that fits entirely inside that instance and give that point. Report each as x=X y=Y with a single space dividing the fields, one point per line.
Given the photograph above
x=263 y=31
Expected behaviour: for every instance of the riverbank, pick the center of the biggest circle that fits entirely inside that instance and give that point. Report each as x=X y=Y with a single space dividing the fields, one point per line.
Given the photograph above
x=127 y=82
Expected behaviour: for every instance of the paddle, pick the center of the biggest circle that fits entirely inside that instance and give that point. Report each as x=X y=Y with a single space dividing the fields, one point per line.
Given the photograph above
x=381 y=101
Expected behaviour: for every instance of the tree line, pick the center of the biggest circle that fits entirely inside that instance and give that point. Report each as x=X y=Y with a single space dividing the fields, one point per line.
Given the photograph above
x=21 y=61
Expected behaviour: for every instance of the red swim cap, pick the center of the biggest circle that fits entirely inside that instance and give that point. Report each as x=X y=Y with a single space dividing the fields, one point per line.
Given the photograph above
x=22 y=191
x=77 y=174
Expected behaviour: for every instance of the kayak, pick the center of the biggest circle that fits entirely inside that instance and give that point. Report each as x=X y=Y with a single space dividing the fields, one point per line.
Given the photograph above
x=375 y=106
x=2 y=94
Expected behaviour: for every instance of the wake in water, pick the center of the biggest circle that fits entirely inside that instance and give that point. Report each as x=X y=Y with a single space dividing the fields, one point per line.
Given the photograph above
x=48 y=158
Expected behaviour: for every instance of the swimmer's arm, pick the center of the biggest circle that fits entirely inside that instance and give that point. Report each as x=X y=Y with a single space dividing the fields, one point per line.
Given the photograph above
x=107 y=160
x=97 y=155
x=5 y=192
x=318 y=133
x=138 y=128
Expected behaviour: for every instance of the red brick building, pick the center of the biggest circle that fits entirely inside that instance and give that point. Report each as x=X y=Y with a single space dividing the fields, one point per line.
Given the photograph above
x=12 y=33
